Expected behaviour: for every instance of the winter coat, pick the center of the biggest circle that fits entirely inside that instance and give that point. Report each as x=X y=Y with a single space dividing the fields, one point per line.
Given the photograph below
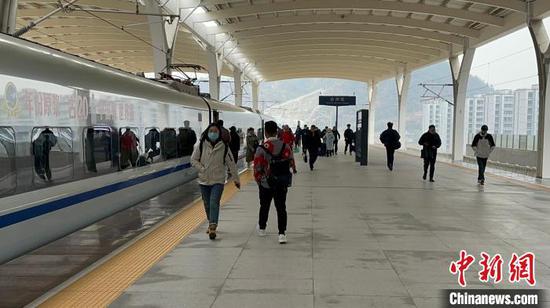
x=483 y=145
x=329 y=140
x=390 y=138
x=348 y=134
x=252 y=143
x=234 y=142
x=212 y=165
x=287 y=137
x=430 y=143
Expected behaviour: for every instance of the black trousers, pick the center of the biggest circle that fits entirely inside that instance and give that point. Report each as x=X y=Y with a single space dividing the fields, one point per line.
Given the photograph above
x=335 y=147
x=235 y=155
x=430 y=162
x=482 y=164
x=313 y=153
x=279 y=196
x=390 y=153
x=348 y=144
x=42 y=165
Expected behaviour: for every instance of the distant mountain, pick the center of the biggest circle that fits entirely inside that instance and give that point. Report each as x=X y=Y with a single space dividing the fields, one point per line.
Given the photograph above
x=295 y=100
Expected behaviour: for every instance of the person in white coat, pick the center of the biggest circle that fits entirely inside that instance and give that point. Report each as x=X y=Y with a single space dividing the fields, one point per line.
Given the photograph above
x=483 y=144
x=212 y=158
x=329 y=141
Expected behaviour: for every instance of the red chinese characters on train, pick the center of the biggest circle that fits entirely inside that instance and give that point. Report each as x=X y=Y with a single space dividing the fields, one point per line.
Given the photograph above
x=40 y=104
x=115 y=111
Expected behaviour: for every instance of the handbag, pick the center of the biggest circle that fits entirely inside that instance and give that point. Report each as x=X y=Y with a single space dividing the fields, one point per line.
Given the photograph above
x=397 y=145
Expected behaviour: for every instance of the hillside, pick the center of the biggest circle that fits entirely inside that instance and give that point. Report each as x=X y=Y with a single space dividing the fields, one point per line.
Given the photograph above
x=297 y=99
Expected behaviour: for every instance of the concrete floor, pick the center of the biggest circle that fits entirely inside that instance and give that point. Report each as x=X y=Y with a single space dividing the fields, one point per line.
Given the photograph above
x=358 y=237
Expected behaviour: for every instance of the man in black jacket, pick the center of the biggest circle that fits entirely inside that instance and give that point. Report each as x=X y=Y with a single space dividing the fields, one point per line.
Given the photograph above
x=336 y=139
x=313 y=144
x=390 y=139
x=430 y=142
x=348 y=137
x=234 y=143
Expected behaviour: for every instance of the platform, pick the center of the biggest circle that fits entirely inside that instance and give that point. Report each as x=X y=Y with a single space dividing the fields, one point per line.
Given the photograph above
x=358 y=237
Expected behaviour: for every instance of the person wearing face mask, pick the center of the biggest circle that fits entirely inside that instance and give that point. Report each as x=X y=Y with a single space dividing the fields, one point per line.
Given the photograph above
x=483 y=144
x=430 y=142
x=212 y=158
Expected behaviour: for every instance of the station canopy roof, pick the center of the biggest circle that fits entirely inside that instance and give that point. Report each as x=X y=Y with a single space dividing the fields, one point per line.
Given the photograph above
x=281 y=39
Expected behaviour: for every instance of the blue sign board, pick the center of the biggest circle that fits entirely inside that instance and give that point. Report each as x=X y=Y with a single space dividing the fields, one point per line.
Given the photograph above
x=337 y=100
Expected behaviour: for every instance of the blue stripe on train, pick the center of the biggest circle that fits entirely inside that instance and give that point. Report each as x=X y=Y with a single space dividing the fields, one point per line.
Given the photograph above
x=19 y=216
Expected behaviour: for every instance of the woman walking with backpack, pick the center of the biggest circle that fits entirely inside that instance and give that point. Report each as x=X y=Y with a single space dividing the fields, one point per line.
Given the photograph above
x=212 y=158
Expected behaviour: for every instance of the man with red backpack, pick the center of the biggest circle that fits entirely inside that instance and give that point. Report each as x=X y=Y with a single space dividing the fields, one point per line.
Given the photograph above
x=272 y=164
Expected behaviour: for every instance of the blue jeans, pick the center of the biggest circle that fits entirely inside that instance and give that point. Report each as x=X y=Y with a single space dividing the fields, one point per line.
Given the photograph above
x=211 y=195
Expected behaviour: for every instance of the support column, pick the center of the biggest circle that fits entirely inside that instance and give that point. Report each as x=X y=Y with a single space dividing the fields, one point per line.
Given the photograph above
x=164 y=31
x=237 y=74
x=372 y=109
x=460 y=72
x=255 y=95
x=541 y=42
x=402 y=81
x=214 y=73
x=8 y=13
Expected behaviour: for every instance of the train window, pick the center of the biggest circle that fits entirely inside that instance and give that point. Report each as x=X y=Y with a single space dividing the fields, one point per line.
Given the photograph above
x=8 y=176
x=52 y=149
x=186 y=140
x=129 y=143
x=152 y=143
x=168 y=143
x=98 y=144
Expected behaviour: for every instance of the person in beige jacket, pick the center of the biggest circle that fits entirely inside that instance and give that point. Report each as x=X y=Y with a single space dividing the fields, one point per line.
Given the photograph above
x=212 y=159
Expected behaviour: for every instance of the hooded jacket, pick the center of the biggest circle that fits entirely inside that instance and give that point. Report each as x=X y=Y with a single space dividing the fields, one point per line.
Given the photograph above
x=483 y=145
x=212 y=165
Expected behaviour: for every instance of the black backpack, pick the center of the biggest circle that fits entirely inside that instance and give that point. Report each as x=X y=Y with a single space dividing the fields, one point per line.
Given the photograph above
x=279 y=168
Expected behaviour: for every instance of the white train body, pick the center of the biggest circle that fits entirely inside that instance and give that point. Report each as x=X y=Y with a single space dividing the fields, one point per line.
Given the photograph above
x=87 y=106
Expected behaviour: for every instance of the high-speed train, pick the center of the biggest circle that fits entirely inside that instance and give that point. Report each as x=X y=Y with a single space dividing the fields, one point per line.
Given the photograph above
x=87 y=107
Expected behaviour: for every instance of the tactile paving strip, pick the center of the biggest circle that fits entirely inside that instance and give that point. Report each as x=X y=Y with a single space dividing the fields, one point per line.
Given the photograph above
x=106 y=283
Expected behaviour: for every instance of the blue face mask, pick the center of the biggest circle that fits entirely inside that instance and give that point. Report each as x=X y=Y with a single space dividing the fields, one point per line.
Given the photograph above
x=213 y=136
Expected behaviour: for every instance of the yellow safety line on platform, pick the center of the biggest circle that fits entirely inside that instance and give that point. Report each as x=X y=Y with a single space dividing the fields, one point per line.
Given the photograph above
x=103 y=285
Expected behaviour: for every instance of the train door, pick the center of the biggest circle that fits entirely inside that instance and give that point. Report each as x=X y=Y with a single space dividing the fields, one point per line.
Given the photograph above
x=52 y=151
x=8 y=171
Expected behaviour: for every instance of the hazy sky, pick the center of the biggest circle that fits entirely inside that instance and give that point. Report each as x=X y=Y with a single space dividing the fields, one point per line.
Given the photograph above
x=508 y=62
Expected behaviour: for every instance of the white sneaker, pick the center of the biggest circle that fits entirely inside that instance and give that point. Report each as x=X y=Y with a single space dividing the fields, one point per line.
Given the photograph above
x=282 y=239
x=261 y=232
